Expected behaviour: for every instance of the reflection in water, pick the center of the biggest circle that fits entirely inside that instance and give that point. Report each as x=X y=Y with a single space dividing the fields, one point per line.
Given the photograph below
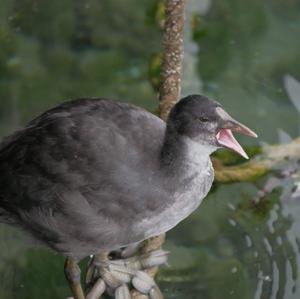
x=277 y=271
x=277 y=254
x=251 y=250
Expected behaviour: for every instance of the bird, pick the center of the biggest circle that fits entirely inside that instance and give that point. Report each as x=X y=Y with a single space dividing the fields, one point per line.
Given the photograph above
x=94 y=175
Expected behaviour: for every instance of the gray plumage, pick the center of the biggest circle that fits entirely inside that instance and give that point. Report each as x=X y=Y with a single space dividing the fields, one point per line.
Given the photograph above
x=96 y=174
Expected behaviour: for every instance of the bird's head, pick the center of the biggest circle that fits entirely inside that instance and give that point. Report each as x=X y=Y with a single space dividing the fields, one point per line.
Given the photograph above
x=206 y=122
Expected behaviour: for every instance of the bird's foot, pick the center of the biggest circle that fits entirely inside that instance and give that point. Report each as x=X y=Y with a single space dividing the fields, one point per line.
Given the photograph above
x=146 y=285
x=117 y=274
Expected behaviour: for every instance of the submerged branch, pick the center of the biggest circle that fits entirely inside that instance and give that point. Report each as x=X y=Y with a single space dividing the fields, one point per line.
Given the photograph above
x=263 y=163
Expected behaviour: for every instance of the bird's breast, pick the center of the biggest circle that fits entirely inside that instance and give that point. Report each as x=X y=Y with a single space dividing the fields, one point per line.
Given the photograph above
x=182 y=202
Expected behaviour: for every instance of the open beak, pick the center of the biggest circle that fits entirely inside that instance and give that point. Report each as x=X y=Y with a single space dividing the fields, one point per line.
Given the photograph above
x=225 y=137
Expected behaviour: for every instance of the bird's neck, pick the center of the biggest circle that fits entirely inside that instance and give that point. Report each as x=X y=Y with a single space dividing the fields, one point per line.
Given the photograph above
x=181 y=155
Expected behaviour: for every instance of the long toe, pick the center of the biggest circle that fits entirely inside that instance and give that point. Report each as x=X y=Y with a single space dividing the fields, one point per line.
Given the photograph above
x=143 y=282
x=146 y=285
x=141 y=262
x=97 y=290
x=91 y=273
x=154 y=258
x=115 y=277
x=155 y=293
x=122 y=292
x=116 y=274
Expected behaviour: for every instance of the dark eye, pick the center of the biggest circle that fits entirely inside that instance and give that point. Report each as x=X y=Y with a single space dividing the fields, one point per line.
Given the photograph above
x=203 y=119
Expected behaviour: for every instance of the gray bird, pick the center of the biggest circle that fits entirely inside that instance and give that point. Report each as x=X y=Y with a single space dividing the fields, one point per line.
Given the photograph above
x=95 y=175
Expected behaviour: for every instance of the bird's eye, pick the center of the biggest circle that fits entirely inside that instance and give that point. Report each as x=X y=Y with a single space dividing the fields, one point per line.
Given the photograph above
x=203 y=119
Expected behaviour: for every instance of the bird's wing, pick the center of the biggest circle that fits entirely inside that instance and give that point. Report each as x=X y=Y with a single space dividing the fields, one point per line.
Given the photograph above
x=101 y=150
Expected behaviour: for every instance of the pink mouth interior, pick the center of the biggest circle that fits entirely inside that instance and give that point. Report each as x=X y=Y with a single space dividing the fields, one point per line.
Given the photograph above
x=226 y=138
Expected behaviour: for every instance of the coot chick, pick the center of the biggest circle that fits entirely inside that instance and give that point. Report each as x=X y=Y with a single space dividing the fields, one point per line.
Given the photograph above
x=95 y=175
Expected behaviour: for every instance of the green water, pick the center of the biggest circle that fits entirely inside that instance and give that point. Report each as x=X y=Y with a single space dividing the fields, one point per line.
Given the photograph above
x=238 y=52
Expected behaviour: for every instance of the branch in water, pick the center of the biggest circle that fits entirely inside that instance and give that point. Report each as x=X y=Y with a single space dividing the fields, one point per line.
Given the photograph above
x=169 y=90
x=269 y=160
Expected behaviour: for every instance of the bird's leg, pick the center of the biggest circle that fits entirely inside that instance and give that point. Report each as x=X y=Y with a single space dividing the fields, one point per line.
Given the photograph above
x=117 y=273
x=130 y=250
x=72 y=273
x=115 y=282
x=92 y=273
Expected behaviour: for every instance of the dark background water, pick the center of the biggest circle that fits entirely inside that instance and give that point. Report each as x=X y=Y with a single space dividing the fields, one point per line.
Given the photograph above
x=236 y=51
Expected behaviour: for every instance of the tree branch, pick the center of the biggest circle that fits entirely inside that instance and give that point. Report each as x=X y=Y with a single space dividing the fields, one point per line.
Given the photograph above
x=269 y=160
x=169 y=90
x=172 y=56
